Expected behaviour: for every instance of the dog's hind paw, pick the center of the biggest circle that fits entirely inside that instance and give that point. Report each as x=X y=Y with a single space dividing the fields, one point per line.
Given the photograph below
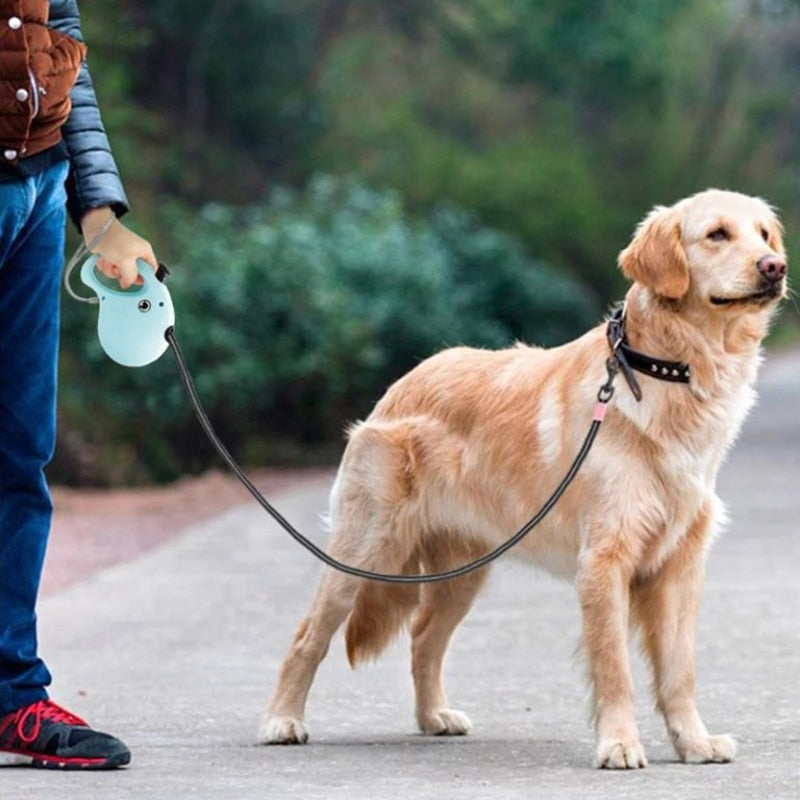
x=612 y=754
x=444 y=722
x=709 y=750
x=282 y=730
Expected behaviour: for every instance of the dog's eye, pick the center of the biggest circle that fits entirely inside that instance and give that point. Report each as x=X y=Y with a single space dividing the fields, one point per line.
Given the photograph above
x=765 y=234
x=718 y=235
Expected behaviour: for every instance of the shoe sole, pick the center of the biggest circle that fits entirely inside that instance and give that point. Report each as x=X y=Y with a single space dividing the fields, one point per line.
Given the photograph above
x=56 y=762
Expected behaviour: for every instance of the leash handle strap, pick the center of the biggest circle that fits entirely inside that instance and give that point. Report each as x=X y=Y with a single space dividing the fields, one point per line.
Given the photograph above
x=348 y=569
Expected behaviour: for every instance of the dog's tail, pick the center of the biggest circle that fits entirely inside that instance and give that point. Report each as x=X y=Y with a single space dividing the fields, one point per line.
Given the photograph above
x=380 y=612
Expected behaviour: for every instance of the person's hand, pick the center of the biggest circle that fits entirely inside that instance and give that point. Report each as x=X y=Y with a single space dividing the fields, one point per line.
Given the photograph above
x=119 y=247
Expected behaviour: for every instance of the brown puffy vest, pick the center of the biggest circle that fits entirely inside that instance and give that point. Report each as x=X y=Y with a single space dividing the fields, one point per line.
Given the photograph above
x=38 y=68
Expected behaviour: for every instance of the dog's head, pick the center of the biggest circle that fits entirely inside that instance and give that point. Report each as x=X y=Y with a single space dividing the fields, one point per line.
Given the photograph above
x=719 y=251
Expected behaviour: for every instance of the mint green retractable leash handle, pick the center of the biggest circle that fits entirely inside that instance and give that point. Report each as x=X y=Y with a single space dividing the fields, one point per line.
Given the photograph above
x=132 y=323
x=135 y=327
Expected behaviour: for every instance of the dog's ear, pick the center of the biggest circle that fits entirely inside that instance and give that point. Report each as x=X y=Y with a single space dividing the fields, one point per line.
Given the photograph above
x=656 y=257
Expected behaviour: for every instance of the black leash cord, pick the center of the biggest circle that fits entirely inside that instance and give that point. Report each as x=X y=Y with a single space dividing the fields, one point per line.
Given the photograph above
x=605 y=395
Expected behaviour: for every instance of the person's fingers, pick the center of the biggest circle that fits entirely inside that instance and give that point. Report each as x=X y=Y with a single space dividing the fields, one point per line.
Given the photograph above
x=119 y=249
x=107 y=268
x=129 y=273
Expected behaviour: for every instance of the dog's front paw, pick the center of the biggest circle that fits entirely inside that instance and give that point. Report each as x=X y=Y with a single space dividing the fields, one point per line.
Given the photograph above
x=282 y=730
x=444 y=722
x=707 y=750
x=617 y=754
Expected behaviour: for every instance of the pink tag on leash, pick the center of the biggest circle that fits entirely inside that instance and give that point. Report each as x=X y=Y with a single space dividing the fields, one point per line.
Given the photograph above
x=599 y=412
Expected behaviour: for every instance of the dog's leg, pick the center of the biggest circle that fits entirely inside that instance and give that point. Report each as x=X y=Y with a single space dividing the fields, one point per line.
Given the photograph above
x=283 y=722
x=367 y=502
x=665 y=606
x=604 y=591
x=442 y=607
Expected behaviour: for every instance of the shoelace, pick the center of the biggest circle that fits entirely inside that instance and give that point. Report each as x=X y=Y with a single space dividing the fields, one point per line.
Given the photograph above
x=44 y=709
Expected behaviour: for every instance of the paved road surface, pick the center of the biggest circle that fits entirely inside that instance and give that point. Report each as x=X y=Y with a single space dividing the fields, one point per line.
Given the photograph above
x=176 y=652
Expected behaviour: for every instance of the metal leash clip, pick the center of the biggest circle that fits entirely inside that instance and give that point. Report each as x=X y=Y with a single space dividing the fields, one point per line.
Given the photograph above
x=615 y=333
x=606 y=391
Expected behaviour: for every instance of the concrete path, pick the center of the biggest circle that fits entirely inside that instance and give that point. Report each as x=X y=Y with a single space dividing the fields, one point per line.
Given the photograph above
x=177 y=651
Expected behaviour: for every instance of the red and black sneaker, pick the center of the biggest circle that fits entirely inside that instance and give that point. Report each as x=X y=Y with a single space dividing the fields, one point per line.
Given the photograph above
x=46 y=735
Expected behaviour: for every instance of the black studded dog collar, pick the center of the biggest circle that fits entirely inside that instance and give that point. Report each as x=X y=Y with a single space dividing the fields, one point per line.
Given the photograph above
x=630 y=359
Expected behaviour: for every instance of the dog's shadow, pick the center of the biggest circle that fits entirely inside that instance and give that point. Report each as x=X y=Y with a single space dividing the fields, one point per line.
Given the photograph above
x=471 y=753
x=469 y=758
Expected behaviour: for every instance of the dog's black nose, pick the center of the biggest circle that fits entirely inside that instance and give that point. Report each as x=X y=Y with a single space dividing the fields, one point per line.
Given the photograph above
x=772 y=267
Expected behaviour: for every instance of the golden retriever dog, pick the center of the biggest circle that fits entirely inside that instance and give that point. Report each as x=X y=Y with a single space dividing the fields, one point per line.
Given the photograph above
x=461 y=451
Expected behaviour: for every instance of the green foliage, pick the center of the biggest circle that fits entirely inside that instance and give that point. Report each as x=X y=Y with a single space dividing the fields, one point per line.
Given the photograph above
x=557 y=123
x=296 y=314
x=564 y=122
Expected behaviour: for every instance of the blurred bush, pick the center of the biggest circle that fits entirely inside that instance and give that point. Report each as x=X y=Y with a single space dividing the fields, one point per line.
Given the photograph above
x=294 y=316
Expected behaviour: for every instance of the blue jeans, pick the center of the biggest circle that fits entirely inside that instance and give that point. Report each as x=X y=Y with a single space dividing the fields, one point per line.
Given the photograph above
x=32 y=221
